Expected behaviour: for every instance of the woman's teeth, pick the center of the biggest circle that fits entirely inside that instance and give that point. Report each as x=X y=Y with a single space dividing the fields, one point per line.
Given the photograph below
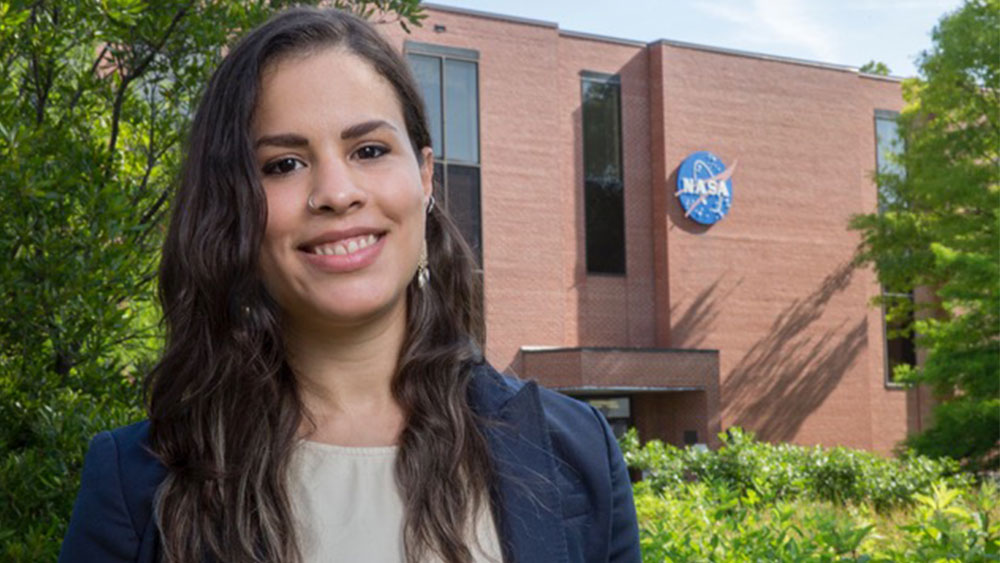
x=346 y=246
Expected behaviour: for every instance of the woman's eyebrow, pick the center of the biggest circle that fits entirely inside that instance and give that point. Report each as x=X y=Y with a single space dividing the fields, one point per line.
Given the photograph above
x=365 y=127
x=294 y=140
x=282 y=140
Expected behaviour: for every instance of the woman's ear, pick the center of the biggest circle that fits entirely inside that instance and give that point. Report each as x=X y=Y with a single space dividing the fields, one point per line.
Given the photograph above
x=427 y=173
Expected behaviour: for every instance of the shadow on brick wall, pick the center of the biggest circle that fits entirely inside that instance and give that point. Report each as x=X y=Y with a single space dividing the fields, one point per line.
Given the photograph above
x=697 y=323
x=787 y=375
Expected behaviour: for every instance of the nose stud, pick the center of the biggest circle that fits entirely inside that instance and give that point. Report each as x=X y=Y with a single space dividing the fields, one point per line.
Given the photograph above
x=311 y=204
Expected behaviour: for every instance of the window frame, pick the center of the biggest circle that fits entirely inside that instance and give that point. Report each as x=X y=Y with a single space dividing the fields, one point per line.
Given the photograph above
x=445 y=53
x=604 y=78
x=887 y=371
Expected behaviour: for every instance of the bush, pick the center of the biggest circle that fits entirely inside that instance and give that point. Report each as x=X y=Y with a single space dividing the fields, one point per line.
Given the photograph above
x=40 y=461
x=752 y=501
x=786 y=471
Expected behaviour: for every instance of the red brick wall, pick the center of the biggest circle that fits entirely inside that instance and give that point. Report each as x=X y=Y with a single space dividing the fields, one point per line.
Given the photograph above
x=770 y=286
x=665 y=417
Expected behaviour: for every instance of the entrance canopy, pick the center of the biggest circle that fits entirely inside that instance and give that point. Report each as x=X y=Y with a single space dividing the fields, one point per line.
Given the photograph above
x=673 y=392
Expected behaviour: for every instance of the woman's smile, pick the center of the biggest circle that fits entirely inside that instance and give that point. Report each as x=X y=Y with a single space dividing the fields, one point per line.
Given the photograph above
x=344 y=254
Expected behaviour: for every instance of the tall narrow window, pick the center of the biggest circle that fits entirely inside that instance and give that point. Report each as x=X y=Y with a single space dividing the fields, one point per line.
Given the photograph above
x=888 y=146
x=899 y=343
x=449 y=83
x=604 y=197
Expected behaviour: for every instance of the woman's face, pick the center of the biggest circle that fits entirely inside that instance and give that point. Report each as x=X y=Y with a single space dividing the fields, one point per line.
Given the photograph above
x=346 y=196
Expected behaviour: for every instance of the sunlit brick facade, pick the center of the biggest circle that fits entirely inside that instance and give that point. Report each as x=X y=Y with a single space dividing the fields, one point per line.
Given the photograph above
x=758 y=320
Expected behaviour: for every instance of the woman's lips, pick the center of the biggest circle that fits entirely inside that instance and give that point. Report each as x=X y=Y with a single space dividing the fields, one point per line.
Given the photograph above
x=345 y=255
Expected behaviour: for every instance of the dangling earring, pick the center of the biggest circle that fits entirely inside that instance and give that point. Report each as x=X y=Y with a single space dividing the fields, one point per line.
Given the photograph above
x=423 y=271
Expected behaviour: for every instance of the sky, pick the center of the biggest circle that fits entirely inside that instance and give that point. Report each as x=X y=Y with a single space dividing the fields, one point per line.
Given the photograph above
x=843 y=32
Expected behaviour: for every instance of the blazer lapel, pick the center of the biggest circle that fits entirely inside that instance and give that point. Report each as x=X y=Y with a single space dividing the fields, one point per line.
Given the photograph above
x=526 y=500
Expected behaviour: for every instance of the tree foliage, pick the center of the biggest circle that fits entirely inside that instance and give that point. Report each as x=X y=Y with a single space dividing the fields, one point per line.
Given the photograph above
x=94 y=101
x=938 y=229
x=875 y=67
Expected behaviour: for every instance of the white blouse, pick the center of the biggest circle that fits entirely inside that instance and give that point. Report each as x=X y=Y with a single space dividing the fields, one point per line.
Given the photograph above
x=348 y=509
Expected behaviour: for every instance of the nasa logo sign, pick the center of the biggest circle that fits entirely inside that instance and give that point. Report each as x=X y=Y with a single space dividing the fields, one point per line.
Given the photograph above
x=705 y=187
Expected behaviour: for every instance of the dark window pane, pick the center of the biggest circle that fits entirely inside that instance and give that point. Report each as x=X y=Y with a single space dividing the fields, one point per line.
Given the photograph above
x=601 y=131
x=605 y=228
x=604 y=198
x=899 y=345
x=427 y=71
x=901 y=351
x=464 y=205
x=462 y=115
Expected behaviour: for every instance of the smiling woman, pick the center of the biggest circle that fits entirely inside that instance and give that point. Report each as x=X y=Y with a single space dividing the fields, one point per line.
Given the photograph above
x=322 y=395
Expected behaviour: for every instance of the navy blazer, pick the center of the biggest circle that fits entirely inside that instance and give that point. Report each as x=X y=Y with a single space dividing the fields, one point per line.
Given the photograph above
x=563 y=496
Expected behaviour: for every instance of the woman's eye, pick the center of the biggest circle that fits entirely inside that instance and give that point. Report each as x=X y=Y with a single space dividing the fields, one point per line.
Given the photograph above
x=282 y=166
x=371 y=151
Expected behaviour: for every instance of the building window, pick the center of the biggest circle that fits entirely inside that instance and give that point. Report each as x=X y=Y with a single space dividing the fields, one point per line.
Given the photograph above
x=899 y=345
x=448 y=79
x=887 y=145
x=604 y=197
x=899 y=342
x=617 y=411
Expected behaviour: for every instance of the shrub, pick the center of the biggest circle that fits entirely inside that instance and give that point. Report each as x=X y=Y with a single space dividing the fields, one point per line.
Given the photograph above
x=752 y=501
x=786 y=471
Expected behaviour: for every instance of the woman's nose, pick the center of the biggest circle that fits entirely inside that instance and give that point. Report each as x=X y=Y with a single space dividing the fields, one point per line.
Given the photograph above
x=336 y=188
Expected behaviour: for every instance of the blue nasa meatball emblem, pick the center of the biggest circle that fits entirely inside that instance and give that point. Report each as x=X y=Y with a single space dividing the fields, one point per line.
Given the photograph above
x=705 y=187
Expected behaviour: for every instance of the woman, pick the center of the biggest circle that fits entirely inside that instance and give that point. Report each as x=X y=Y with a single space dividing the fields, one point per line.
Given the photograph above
x=322 y=395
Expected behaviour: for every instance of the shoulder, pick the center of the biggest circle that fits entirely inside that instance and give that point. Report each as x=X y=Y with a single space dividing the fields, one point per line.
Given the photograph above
x=495 y=391
x=141 y=471
x=581 y=458
x=113 y=509
x=575 y=433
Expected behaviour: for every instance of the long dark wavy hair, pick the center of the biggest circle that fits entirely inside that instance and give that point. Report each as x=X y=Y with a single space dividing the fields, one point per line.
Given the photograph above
x=223 y=402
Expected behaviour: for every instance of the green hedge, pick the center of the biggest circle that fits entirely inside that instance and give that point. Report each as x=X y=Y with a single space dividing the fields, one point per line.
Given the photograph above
x=752 y=501
x=786 y=471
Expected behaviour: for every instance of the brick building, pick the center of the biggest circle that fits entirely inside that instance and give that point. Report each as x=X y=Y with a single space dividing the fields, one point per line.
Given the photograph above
x=559 y=154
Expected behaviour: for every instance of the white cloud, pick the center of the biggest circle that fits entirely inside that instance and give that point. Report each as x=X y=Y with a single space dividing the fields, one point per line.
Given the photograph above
x=766 y=23
x=895 y=6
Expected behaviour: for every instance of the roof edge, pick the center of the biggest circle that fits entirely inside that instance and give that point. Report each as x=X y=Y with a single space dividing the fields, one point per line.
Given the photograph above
x=490 y=15
x=673 y=43
x=599 y=37
x=884 y=78
x=753 y=55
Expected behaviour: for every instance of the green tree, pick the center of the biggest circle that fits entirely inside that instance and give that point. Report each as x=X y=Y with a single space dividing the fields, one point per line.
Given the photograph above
x=938 y=229
x=94 y=101
x=875 y=67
